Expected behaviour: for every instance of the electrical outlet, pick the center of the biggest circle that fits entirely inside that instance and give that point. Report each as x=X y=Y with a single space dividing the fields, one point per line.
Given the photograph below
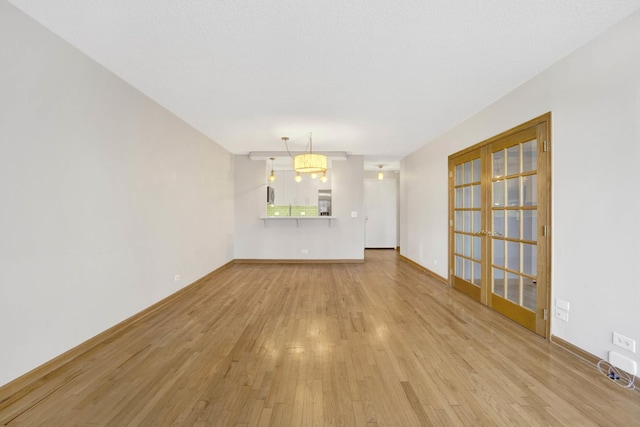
x=562 y=315
x=176 y=278
x=304 y=251
x=624 y=342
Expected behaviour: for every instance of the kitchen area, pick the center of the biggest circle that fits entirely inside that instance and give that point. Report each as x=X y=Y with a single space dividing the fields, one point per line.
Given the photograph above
x=287 y=197
x=283 y=219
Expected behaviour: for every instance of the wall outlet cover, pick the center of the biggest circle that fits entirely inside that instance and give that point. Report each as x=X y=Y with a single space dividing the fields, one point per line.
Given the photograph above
x=624 y=363
x=562 y=315
x=624 y=342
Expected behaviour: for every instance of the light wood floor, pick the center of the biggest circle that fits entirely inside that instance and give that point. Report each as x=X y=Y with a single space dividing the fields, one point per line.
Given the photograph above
x=373 y=344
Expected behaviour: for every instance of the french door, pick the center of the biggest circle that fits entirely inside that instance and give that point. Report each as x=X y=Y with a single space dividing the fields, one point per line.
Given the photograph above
x=499 y=222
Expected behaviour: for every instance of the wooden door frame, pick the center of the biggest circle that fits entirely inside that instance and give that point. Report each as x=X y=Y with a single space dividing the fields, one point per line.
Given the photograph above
x=543 y=323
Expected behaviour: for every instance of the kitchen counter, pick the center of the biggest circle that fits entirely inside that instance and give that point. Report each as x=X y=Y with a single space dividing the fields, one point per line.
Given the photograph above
x=298 y=218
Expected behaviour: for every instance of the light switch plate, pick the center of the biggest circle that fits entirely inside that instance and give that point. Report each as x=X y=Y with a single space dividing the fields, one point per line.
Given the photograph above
x=562 y=304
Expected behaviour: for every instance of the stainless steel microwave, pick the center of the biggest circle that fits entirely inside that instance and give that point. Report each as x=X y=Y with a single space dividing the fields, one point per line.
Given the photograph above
x=271 y=195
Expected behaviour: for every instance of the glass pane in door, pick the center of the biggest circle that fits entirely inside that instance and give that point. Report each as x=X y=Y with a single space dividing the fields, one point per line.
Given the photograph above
x=498 y=193
x=513 y=224
x=477 y=172
x=476 y=199
x=459 y=202
x=529 y=259
x=529 y=156
x=498 y=222
x=466 y=197
x=498 y=253
x=513 y=192
x=476 y=222
x=529 y=225
x=530 y=190
x=466 y=251
x=466 y=269
x=466 y=221
x=498 y=164
x=477 y=274
x=498 y=282
x=513 y=288
x=513 y=256
x=529 y=293
x=477 y=247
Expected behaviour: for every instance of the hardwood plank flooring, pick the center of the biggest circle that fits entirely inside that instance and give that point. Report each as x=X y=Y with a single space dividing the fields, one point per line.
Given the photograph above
x=373 y=344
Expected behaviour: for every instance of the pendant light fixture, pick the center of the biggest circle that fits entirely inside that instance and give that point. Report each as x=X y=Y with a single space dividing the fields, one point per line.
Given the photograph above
x=380 y=174
x=324 y=178
x=310 y=162
x=272 y=177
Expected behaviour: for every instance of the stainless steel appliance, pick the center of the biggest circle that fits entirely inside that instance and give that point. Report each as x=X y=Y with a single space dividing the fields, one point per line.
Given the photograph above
x=324 y=202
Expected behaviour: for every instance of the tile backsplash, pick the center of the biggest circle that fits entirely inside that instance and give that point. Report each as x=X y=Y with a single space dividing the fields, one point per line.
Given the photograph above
x=283 y=210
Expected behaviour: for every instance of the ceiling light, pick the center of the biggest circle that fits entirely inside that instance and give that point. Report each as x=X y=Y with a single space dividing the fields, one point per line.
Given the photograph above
x=298 y=177
x=324 y=178
x=380 y=174
x=272 y=177
x=310 y=162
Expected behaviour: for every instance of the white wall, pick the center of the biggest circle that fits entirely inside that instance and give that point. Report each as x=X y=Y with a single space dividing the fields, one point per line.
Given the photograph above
x=594 y=96
x=105 y=197
x=282 y=239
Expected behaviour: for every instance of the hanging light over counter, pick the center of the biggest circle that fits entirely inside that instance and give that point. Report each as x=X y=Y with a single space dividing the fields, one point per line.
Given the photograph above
x=310 y=162
x=272 y=177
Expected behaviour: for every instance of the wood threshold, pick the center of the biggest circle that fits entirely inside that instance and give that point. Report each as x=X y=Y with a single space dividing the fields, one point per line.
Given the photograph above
x=429 y=273
x=20 y=386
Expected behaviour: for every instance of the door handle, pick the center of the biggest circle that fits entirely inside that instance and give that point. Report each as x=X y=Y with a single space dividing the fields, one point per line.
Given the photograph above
x=488 y=233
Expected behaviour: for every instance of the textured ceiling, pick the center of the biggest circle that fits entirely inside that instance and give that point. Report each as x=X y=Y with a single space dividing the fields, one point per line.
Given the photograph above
x=370 y=77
